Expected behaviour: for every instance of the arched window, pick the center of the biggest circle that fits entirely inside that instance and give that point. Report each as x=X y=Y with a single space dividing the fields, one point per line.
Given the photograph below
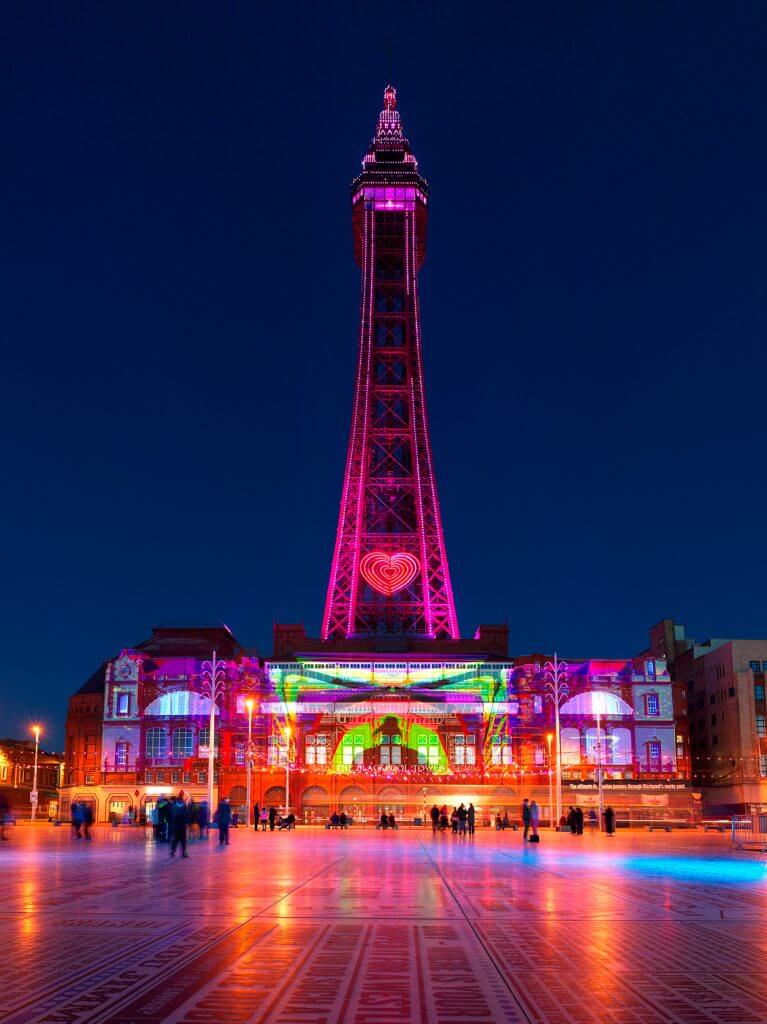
x=596 y=702
x=619 y=742
x=181 y=704
x=183 y=742
x=156 y=743
x=571 y=746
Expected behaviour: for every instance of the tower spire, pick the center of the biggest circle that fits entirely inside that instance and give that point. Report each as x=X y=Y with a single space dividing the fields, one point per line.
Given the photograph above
x=389 y=573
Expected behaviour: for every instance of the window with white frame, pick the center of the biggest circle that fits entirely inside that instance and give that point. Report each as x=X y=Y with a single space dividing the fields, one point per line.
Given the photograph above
x=500 y=750
x=652 y=705
x=353 y=749
x=428 y=749
x=239 y=753
x=123 y=703
x=390 y=749
x=183 y=742
x=277 y=751
x=316 y=750
x=121 y=754
x=156 y=742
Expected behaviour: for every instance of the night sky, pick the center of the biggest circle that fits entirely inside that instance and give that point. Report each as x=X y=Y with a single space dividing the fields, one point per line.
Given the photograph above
x=179 y=317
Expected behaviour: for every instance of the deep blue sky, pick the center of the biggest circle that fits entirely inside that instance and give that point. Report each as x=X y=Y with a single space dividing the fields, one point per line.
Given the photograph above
x=179 y=307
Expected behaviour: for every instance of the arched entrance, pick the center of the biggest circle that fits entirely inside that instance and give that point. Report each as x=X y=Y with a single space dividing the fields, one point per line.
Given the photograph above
x=392 y=800
x=315 y=804
x=238 y=796
x=352 y=801
x=275 y=797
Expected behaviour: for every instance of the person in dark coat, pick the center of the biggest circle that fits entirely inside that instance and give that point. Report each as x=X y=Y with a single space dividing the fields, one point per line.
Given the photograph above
x=609 y=820
x=572 y=821
x=579 y=820
x=203 y=818
x=4 y=810
x=256 y=816
x=272 y=818
x=471 y=816
x=76 y=815
x=87 y=820
x=179 y=819
x=224 y=818
x=525 y=818
x=163 y=811
x=434 y=818
x=462 y=815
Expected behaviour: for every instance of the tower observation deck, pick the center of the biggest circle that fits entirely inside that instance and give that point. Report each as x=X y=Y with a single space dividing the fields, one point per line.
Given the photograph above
x=389 y=574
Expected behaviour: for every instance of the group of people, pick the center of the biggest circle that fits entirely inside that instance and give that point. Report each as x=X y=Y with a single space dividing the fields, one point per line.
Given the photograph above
x=337 y=820
x=461 y=820
x=177 y=820
x=574 y=820
x=81 y=816
x=270 y=817
x=387 y=820
x=531 y=816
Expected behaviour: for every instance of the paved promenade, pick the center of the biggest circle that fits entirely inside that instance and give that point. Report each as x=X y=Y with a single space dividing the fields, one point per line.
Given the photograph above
x=369 y=928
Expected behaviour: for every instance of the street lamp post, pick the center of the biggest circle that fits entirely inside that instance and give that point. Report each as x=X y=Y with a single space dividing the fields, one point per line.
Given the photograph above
x=249 y=762
x=287 y=772
x=33 y=794
x=555 y=676
x=552 y=818
x=212 y=687
x=599 y=767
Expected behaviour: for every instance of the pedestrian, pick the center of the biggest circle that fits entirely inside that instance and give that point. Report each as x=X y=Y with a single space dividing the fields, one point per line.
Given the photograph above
x=264 y=818
x=343 y=821
x=454 y=821
x=224 y=817
x=256 y=816
x=76 y=817
x=525 y=818
x=505 y=820
x=178 y=819
x=462 y=820
x=87 y=820
x=609 y=820
x=593 y=820
x=579 y=819
x=535 y=817
x=392 y=820
x=471 y=815
x=572 y=820
x=154 y=817
x=434 y=818
x=163 y=809
x=203 y=818
x=443 y=818
x=4 y=811
x=272 y=817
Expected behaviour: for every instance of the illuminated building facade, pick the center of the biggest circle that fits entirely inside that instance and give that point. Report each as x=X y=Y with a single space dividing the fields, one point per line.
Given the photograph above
x=17 y=768
x=389 y=709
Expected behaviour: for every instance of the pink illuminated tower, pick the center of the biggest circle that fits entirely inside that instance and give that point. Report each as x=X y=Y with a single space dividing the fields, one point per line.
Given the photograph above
x=389 y=573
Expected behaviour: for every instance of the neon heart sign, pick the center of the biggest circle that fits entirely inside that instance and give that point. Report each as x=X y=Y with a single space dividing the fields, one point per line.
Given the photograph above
x=389 y=573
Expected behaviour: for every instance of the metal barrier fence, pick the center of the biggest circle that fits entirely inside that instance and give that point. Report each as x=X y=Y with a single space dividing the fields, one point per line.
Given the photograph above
x=749 y=832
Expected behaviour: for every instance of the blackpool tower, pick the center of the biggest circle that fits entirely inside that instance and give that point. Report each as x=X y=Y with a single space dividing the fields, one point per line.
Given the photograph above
x=389 y=573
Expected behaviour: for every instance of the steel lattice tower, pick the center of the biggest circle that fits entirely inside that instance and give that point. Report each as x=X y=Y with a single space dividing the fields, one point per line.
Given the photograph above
x=389 y=572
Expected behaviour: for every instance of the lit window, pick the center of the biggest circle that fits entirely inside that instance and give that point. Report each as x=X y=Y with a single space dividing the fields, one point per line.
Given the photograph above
x=121 y=754
x=183 y=743
x=156 y=742
x=651 y=705
x=758 y=691
x=654 y=753
x=123 y=703
x=761 y=726
x=239 y=753
x=755 y=666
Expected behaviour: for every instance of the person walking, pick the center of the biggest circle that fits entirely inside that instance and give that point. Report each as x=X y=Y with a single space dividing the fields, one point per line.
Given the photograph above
x=471 y=816
x=525 y=818
x=87 y=820
x=272 y=817
x=76 y=817
x=572 y=821
x=609 y=821
x=462 y=820
x=203 y=818
x=4 y=811
x=579 y=819
x=535 y=817
x=434 y=812
x=256 y=816
x=179 y=819
x=224 y=818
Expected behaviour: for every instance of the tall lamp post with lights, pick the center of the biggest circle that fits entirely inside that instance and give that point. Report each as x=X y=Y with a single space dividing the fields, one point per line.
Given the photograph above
x=33 y=795
x=213 y=686
x=249 y=703
x=553 y=818
x=557 y=690
x=287 y=771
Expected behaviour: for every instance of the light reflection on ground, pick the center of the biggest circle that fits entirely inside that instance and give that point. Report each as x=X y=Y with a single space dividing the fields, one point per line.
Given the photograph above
x=368 y=927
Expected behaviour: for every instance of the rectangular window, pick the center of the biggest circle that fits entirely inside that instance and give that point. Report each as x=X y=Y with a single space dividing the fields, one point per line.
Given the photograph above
x=652 y=704
x=755 y=666
x=713 y=719
x=202 y=778
x=88 y=779
x=758 y=691
x=123 y=703
x=175 y=777
x=471 y=755
x=654 y=753
x=148 y=777
x=761 y=726
x=239 y=753
x=763 y=765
